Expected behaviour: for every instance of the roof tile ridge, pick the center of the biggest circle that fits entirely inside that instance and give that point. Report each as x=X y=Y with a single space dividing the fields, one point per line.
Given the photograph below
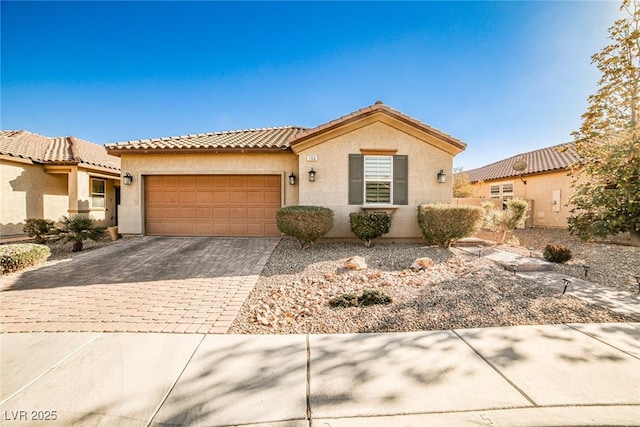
x=74 y=148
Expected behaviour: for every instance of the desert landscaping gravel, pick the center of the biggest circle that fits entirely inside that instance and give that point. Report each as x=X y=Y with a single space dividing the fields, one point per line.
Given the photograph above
x=460 y=291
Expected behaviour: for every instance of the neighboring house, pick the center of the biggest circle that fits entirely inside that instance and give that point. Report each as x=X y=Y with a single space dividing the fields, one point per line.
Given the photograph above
x=547 y=186
x=232 y=183
x=44 y=177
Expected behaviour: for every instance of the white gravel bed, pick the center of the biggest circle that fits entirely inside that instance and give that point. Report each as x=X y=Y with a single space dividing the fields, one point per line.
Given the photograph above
x=459 y=291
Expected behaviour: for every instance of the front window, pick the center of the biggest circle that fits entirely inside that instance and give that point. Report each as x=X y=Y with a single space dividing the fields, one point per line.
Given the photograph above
x=98 y=193
x=495 y=191
x=378 y=179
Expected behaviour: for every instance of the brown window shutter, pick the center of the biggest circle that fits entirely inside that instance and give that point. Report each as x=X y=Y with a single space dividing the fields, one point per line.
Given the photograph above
x=356 y=179
x=400 y=180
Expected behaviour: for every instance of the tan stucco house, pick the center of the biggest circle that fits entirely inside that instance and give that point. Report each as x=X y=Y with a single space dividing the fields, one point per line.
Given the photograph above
x=539 y=176
x=44 y=177
x=232 y=183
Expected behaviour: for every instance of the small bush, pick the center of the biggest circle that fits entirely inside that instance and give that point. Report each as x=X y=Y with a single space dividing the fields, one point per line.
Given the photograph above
x=344 y=301
x=442 y=224
x=369 y=225
x=368 y=297
x=21 y=255
x=504 y=221
x=77 y=229
x=38 y=228
x=557 y=253
x=305 y=223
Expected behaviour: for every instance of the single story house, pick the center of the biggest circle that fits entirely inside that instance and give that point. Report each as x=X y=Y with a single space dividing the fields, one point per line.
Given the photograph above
x=539 y=176
x=232 y=183
x=47 y=178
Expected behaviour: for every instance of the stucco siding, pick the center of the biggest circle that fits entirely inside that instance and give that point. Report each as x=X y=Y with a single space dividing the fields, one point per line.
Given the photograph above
x=549 y=210
x=131 y=209
x=330 y=160
x=29 y=192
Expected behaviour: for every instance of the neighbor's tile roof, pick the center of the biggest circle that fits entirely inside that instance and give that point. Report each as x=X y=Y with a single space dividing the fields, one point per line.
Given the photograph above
x=42 y=149
x=542 y=160
x=263 y=138
x=372 y=109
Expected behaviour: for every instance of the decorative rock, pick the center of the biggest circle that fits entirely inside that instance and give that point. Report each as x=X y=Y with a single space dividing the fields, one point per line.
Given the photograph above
x=422 y=264
x=356 y=263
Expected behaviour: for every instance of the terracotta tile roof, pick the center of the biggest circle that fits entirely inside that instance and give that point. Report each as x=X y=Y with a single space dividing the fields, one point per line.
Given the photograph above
x=251 y=139
x=378 y=107
x=42 y=149
x=542 y=160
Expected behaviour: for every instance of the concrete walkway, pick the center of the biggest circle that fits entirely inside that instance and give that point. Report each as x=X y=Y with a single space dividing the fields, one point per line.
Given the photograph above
x=542 y=272
x=579 y=374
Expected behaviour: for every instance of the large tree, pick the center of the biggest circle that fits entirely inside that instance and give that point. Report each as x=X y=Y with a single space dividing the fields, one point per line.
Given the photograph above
x=606 y=184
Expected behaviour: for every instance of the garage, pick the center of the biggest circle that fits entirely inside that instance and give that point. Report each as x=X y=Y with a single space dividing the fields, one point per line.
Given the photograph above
x=212 y=205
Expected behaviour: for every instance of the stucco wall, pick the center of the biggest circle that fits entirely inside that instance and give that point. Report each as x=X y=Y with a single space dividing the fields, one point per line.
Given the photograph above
x=540 y=188
x=131 y=209
x=27 y=191
x=331 y=188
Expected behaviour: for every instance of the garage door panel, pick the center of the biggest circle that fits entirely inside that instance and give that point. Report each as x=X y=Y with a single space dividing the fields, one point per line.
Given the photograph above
x=237 y=197
x=204 y=197
x=220 y=213
x=187 y=182
x=212 y=205
x=272 y=198
x=255 y=197
x=220 y=197
x=237 y=213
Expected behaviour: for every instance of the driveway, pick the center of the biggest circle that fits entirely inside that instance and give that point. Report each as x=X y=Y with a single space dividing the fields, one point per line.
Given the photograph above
x=148 y=284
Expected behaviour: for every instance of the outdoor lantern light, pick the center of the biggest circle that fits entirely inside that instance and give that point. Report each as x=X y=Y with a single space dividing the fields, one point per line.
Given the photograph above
x=586 y=270
x=638 y=280
x=312 y=175
x=127 y=179
x=442 y=177
x=292 y=179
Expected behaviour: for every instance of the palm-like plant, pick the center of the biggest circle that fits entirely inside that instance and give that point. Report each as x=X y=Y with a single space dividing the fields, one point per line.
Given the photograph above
x=79 y=228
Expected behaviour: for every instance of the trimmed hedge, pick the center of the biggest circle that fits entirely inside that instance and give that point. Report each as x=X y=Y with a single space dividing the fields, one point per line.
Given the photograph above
x=305 y=223
x=369 y=225
x=442 y=224
x=21 y=255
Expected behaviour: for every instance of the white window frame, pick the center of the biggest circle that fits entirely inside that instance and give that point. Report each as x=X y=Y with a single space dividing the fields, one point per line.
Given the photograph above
x=96 y=195
x=378 y=178
x=507 y=193
x=492 y=193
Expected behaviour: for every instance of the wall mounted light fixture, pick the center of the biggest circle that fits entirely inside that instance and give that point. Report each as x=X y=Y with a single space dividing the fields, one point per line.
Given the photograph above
x=292 y=179
x=312 y=175
x=127 y=179
x=442 y=176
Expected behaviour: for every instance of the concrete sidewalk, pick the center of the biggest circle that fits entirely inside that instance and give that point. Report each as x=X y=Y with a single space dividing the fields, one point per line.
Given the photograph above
x=579 y=374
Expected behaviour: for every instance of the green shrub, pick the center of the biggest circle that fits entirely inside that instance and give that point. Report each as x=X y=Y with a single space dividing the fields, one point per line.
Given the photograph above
x=38 y=228
x=441 y=224
x=368 y=297
x=78 y=229
x=344 y=301
x=305 y=223
x=21 y=255
x=504 y=221
x=557 y=253
x=369 y=225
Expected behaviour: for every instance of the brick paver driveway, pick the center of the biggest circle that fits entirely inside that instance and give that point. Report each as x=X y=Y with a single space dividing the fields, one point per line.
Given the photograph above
x=147 y=284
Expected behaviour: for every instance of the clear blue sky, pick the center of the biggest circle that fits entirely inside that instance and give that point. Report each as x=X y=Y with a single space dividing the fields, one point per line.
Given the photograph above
x=504 y=77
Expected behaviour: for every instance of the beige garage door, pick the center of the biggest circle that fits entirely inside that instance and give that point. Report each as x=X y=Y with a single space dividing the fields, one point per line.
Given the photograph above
x=212 y=205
